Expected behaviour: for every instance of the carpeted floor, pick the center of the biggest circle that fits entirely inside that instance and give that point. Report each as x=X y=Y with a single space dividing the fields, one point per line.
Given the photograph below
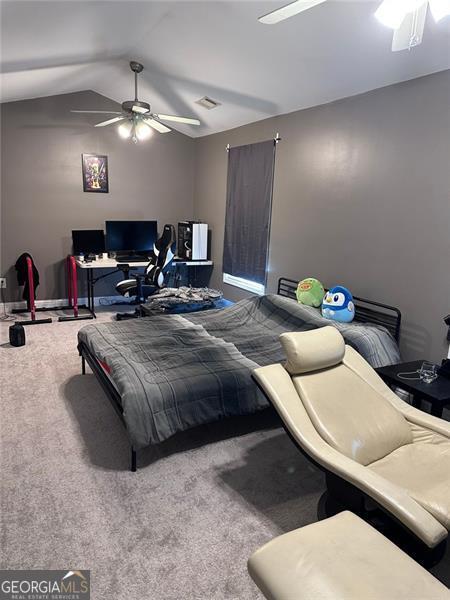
x=182 y=527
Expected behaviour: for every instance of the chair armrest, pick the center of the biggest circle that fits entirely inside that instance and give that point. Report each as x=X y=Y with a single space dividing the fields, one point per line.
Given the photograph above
x=279 y=389
x=418 y=417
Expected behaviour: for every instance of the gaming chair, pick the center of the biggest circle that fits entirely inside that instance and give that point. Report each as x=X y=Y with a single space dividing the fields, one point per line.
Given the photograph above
x=144 y=285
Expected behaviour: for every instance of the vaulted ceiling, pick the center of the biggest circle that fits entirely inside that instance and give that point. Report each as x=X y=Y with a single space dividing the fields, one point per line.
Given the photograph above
x=218 y=49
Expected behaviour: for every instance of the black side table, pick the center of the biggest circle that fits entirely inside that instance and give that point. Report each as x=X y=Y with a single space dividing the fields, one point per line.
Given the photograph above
x=437 y=392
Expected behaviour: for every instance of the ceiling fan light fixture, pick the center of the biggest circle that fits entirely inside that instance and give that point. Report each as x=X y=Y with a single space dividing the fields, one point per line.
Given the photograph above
x=439 y=9
x=143 y=131
x=125 y=130
x=392 y=13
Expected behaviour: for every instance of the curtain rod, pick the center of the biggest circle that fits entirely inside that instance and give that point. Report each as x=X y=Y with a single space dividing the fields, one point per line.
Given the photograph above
x=276 y=139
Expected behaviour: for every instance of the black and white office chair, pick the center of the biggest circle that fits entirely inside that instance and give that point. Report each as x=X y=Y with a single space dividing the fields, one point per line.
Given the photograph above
x=143 y=285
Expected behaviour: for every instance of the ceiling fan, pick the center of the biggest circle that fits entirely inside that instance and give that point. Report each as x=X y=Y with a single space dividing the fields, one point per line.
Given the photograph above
x=405 y=17
x=136 y=118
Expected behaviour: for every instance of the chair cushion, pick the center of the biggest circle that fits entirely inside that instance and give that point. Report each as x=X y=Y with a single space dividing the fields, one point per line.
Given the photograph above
x=341 y=558
x=350 y=415
x=422 y=468
x=312 y=350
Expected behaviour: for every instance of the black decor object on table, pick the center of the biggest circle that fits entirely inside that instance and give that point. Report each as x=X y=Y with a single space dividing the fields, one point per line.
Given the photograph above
x=436 y=392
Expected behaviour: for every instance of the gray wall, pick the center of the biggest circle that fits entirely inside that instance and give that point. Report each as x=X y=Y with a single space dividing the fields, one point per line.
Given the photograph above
x=41 y=184
x=361 y=198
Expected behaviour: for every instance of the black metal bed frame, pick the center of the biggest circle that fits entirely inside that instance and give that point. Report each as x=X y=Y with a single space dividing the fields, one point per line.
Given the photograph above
x=366 y=311
x=286 y=287
x=111 y=392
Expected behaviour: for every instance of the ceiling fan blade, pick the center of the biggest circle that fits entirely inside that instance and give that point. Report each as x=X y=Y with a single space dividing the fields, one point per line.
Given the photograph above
x=156 y=125
x=410 y=32
x=98 y=112
x=109 y=121
x=289 y=10
x=187 y=120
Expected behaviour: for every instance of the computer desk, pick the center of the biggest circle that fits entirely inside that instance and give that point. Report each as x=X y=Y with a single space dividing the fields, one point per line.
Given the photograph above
x=113 y=266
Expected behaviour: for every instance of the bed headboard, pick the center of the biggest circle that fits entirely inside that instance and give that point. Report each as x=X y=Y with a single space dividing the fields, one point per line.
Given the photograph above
x=366 y=311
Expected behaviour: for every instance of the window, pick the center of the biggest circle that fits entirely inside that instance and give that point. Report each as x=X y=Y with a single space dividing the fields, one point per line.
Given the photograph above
x=248 y=213
x=245 y=284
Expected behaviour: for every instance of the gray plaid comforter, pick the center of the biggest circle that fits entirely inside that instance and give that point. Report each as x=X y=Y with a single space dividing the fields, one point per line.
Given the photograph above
x=174 y=372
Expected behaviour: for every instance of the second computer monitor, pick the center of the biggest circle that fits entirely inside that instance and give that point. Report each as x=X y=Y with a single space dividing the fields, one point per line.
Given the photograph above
x=88 y=241
x=131 y=236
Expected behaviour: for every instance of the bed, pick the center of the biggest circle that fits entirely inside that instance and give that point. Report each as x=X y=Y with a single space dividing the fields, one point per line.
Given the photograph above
x=168 y=373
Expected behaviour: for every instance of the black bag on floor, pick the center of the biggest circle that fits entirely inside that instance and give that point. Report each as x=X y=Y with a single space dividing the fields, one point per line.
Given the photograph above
x=17 y=335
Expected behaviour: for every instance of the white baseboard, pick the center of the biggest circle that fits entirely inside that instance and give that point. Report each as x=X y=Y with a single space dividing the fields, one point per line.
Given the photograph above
x=61 y=302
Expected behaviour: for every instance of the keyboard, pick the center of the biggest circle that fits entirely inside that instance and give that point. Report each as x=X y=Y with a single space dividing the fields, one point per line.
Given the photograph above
x=130 y=258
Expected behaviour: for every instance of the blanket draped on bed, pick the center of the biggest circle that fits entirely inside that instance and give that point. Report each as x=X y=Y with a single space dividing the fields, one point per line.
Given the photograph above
x=175 y=372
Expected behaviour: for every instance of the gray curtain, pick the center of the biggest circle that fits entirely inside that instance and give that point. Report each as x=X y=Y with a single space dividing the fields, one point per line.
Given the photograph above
x=248 y=210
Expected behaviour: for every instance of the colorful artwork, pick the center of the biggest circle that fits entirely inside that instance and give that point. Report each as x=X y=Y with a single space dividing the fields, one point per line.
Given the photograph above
x=95 y=173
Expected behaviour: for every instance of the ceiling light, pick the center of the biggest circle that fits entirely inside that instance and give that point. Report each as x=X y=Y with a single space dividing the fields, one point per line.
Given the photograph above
x=143 y=131
x=125 y=129
x=392 y=12
x=440 y=9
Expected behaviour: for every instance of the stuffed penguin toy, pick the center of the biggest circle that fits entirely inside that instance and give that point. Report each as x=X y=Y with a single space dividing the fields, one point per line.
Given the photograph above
x=310 y=292
x=338 y=305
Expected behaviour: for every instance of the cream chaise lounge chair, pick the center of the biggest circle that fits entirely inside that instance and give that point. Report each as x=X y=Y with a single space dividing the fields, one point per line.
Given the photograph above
x=344 y=418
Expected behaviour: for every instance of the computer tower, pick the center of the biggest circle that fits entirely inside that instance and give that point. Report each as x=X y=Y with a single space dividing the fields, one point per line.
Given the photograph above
x=192 y=240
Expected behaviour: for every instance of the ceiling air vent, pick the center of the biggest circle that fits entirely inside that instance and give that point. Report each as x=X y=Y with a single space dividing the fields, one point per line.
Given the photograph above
x=207 y=103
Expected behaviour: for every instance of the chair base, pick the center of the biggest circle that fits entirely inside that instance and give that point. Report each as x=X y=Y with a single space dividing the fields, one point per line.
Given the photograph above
x=130 y=315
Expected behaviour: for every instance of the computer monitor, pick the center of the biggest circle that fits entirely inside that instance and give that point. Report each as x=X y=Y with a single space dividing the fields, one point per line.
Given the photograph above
x=88 y=241
x=131 y=236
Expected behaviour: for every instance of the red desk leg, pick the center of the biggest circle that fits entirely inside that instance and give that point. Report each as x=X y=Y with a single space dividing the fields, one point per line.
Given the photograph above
x=72 y=292
x=73 y=265
x=69 y=281
x=31 y=289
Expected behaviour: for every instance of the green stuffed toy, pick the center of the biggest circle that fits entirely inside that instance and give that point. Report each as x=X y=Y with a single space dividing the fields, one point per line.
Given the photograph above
x=310 y=292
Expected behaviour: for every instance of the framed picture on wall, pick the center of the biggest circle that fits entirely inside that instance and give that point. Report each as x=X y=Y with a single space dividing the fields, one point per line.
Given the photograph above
x=95 y=173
